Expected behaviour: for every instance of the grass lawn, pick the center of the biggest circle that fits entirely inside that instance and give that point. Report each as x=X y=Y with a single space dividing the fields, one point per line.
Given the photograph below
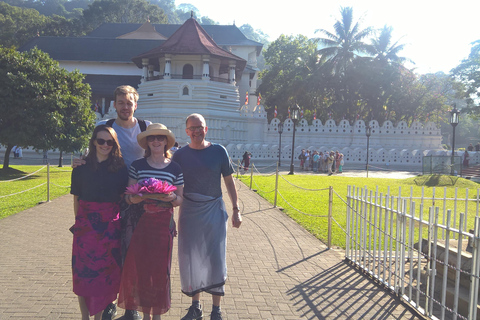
x=305 y=197
x=14 y=198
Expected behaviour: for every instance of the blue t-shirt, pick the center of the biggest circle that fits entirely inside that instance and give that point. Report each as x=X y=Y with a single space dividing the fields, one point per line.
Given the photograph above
x=140 y=169
x=203 y=169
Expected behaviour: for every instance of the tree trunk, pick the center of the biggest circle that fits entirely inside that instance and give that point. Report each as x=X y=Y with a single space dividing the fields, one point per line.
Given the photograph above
x=6 y=159
x=60 y=160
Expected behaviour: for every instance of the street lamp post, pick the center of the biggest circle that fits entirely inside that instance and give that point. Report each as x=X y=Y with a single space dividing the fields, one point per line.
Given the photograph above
x=295 y=116
x=368 y=132
x=280 y=131
x=454 y=119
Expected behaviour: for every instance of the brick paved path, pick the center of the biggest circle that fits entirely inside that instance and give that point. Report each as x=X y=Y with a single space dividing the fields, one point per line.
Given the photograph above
x=276 y=269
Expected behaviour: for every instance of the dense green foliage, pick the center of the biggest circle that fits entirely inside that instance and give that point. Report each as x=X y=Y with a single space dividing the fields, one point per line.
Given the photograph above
x=42 y=105
x=305 y=197
x=468 y=72
x=19 y=25
x=21 y=20
x=352 y=73
x=15 y=198
x=121 y=11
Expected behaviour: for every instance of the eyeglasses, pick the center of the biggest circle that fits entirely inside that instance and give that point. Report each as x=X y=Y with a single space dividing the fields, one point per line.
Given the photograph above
x=153 y=138
x=199 y=128
x=101 y=142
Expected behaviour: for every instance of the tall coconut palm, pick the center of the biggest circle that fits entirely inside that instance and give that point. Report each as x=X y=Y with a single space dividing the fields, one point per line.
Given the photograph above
x=384 y=50
x=343 y=46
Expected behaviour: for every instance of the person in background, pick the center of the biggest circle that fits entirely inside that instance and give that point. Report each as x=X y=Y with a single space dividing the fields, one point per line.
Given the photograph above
x=316 y=158
x=97 y=188
x=342 y=162
x=330 y=161
x=301 y=157
x=321 y=163
x=246 y=161
x=325 y=161
x=466 y=159
x=337 y=161
x=202 y=221
x=307 y=160
x=470 y=147
x=145 y=281
x=174 y=148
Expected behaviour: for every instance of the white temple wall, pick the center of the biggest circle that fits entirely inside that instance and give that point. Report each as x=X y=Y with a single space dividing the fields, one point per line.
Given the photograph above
x=94 y=67
x=390 y=145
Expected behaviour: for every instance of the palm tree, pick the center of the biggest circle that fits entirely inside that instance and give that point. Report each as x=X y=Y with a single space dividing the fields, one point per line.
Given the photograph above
x=343 y=46
x=384 y=50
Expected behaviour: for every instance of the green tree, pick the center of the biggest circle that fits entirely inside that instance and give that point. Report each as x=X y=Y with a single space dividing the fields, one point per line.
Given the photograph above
x=383 y=49
x=346 y=44
x=42 y=105
x=254 y=34
x=122 y=11
x=340 y=50
x=283 y=81
x=468 y=72
x=170 y=9
x=19 y=25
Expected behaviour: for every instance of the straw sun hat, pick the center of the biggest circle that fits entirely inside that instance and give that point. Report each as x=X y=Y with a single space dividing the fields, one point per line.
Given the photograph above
x=156 y=129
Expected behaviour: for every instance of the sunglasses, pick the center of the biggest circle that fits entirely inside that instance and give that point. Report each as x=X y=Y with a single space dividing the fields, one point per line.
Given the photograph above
x=199 y=128
x=159 y=138
x=101 y=142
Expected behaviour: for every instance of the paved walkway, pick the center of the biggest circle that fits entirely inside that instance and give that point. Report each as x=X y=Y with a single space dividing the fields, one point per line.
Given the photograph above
x=277 y=270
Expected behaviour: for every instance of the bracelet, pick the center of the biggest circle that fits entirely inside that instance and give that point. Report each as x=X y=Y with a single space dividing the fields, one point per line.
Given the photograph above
x=236 y=208
x=175 y=197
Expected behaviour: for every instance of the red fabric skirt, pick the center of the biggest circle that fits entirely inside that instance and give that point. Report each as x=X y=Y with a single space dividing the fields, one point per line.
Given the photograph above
x=145 y=283
x=96 y=256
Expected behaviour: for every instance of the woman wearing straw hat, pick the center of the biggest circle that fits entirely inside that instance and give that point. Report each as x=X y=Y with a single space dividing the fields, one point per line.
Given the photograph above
x=145 y=284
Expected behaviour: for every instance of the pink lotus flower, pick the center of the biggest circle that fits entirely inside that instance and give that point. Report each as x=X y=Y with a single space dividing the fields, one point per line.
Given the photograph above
x=150 y=186
x=135 y=189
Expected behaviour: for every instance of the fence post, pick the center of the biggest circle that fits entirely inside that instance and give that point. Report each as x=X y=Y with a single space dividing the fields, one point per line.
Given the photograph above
x=238 y=168
x=251 y=177
x=347 y=248
x=472 y=305
x=276 y=188
x=330 y=204
x=48 y=182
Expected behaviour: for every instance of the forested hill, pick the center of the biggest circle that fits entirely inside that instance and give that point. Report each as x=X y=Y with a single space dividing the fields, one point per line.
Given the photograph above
x=21 y=20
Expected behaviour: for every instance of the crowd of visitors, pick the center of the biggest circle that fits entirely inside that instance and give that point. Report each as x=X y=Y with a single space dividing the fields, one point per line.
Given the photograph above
x=321 y=162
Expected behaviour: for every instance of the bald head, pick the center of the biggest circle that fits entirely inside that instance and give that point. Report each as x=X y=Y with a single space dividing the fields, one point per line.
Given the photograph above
x=196 y=116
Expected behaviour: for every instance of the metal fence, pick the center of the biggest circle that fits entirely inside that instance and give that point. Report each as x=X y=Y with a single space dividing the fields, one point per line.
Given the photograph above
x=417 y=248
x=441 y=165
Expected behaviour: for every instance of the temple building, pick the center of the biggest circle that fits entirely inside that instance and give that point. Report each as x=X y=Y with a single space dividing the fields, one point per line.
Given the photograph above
x=212 y=70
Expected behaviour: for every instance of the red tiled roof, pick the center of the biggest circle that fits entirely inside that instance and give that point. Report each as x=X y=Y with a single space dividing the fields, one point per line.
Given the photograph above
x=190 y=38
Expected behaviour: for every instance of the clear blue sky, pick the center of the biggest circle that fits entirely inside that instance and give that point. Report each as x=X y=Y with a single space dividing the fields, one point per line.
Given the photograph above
x=437 y=34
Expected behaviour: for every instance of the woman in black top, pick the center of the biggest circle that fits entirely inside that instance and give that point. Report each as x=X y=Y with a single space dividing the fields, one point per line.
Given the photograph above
x=98 y=187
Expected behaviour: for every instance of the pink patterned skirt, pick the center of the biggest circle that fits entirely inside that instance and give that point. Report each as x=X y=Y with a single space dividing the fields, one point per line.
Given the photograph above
x=145 y=284
x=96 y=257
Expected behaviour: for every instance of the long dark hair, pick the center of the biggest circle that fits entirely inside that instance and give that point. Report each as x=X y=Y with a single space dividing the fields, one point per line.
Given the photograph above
x=115 y=160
